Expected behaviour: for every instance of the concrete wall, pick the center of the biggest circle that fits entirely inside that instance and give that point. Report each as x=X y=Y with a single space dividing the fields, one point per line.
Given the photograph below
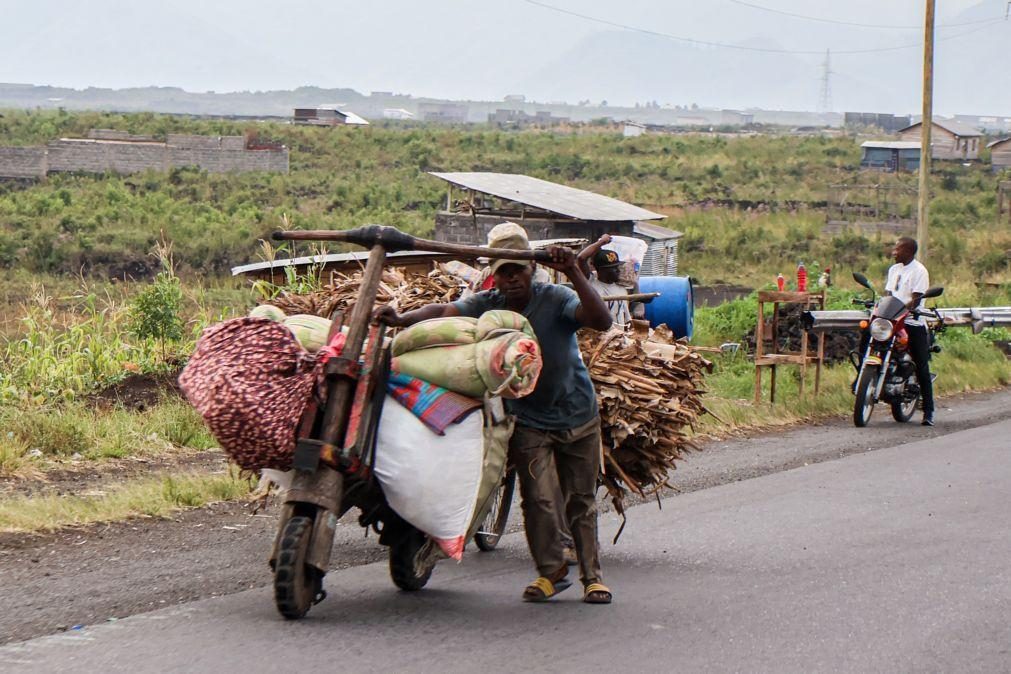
x=22 y=162
x=121 y=153
x=100 y=157
x=460 y=228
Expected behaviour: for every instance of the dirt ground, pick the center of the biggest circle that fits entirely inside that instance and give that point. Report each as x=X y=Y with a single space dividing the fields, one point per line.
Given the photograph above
x=93 y=574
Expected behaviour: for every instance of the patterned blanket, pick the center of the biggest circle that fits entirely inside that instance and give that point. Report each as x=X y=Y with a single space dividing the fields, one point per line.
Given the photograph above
x=436 y=407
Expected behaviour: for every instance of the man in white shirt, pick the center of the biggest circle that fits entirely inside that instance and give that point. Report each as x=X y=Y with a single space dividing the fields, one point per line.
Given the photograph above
x=606 y=266
x=908 y=280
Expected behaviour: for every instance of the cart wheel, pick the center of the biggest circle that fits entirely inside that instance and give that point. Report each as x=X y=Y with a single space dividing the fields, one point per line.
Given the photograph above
x=403 y=556
x=488 y=536
x=297 y=585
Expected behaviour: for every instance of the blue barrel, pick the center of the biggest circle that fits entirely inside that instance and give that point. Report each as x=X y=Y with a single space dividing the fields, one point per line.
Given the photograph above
x=675 y=306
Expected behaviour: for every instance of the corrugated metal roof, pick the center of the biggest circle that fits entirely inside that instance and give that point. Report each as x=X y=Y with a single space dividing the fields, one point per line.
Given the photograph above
x=892 y=144
x=360 y=257
x=656 y=232
x=957 y=128
x=560 y=199
x=999 y=141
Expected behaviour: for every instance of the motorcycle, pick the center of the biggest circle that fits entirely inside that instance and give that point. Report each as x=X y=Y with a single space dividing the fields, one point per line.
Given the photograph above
x=886 y=371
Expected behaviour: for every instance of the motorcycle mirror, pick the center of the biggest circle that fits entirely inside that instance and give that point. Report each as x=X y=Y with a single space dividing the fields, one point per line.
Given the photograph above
x=935 y=291
x=862 y=280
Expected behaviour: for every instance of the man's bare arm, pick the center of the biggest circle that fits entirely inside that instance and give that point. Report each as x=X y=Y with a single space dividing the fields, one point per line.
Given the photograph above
x=389 y=315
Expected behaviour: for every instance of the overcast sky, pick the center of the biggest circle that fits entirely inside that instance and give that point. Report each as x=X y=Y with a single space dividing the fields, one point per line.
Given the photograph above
x=446 y=48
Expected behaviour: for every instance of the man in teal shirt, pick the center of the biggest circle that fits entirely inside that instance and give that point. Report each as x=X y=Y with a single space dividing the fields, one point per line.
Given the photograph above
x=557 y=436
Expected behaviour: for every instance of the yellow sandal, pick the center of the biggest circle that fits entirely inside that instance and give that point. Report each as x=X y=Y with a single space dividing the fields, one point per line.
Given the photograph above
x=543 y=589
x=597 y=593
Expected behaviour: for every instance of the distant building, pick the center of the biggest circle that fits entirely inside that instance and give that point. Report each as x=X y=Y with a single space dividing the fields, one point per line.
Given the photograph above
x=515 y=98
x=397 y=113
x=1000 y=154
x=736 y=118
x=633 y=129
x=328 y=115
x=885 y=122
x=890 y=155
x=505 y=116
x=948 y=139
x=446 y=113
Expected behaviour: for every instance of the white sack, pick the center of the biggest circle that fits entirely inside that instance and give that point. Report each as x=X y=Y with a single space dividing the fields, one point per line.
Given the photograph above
x=431 y=481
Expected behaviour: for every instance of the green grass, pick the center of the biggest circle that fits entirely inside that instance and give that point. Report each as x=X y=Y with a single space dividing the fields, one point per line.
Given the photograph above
x=148 y=498
x=61 y=431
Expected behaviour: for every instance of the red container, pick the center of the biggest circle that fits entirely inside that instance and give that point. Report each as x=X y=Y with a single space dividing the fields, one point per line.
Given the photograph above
x=801 y=278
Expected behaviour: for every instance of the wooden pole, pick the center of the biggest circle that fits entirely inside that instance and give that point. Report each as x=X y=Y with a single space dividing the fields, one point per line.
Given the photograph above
x=926 y=126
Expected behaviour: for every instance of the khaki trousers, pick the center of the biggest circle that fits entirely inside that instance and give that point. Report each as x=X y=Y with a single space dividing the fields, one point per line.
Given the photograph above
x=543 y=460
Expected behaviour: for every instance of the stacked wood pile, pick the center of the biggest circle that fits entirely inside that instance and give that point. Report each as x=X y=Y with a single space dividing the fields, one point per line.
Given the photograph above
x=405 y=290
x=650 y=394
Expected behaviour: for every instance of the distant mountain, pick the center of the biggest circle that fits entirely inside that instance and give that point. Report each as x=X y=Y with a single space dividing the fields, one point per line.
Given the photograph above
x=971 y=69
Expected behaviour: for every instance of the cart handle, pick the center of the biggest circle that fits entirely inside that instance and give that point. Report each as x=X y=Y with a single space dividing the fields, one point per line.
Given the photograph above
x=392 y=240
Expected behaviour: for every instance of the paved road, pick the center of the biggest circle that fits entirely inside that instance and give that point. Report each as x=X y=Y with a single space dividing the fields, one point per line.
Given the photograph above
x=893 y=560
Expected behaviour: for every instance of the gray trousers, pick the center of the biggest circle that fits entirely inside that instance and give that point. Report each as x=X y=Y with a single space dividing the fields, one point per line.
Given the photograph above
x=544 y=460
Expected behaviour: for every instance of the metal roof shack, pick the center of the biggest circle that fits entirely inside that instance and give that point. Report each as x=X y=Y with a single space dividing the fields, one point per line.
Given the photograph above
x=890 y=155
x=476 y=202
x=1000 y=154
x=411 y=260
x=948 y=140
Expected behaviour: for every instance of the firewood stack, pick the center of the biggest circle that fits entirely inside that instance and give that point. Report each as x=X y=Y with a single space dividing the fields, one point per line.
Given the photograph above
x=406 y=290
x=650 y=395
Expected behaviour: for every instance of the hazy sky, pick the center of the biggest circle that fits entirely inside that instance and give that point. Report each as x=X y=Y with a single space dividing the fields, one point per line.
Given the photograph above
x=447 y=48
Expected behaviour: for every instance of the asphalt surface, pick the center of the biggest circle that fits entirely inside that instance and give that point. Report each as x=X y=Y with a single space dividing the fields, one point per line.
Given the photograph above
x=90 y=575
x=897 y=560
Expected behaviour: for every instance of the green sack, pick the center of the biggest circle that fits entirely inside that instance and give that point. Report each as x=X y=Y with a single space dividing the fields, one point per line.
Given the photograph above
x=310 y=331
x=436 y=332
x=451 y=367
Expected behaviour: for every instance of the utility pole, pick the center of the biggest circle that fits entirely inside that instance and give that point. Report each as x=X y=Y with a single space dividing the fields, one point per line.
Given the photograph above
x=926 y=126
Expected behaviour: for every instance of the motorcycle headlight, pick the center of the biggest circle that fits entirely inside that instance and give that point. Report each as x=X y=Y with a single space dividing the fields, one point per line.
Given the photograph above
x=881 y=329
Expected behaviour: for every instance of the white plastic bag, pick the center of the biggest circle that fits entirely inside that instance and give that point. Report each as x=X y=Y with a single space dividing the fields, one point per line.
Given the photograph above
x=431 y=481
x=631 y=252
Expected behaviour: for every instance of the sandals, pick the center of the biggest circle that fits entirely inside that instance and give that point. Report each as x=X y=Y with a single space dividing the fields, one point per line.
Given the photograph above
x=596 y=593
x=543 y=589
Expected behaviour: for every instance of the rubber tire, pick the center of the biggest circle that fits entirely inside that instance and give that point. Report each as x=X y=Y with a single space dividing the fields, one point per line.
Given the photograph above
x=495 y=523
x=865 y=385
x=402 y=556
x=900 y=415
x=296 y=584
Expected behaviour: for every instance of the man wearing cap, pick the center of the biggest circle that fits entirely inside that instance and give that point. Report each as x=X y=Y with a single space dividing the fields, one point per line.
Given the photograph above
x=607 y=266
x=559 y=420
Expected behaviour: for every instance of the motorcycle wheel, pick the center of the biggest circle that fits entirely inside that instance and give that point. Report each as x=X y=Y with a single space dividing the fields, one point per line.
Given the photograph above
x=402 y=562
x=903 y=410
x=297 y=585
x=863 y=406
x=491 y=530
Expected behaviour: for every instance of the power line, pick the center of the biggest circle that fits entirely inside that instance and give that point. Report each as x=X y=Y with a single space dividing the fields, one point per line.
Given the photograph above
x=724 y=45
x=855 y=23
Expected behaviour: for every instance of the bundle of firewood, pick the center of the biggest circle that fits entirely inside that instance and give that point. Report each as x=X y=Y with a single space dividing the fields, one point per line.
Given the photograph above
x=650 y=395
x=405 y=290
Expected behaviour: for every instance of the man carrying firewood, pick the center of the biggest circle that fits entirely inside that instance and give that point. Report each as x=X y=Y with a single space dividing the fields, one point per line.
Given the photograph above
x=559 y=420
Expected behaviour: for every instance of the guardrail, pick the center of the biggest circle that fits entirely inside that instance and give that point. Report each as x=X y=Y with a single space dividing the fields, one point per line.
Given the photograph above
x=967 y=317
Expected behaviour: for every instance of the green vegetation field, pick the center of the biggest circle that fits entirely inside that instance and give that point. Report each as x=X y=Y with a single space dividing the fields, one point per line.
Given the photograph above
x=749 y=206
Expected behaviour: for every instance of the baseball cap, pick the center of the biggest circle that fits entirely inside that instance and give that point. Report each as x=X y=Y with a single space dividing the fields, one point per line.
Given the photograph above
x=605 y=258
x=511 y=236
